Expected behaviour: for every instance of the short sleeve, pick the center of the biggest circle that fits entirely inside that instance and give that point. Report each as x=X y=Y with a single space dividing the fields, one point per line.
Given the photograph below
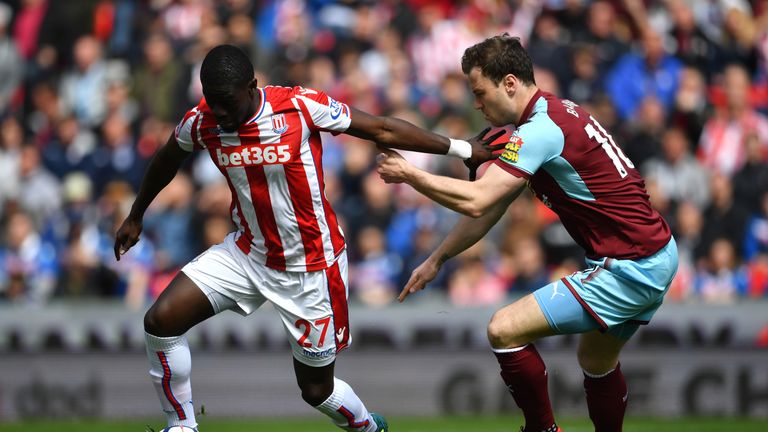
x=326 y=113
x=531 y=146
x=185 y=129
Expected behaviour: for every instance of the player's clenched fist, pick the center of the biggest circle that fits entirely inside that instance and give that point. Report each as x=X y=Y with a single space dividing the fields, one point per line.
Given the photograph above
x=392 y=167
x=127 y=235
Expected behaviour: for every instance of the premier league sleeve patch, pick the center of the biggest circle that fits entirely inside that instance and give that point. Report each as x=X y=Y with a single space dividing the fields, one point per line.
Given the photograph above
x=337 y=108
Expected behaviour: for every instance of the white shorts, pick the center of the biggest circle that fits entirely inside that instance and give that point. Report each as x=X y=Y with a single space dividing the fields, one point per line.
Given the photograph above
x=312 y=305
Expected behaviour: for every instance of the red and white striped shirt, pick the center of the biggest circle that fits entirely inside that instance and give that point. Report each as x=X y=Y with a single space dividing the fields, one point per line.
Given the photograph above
x=273 y=165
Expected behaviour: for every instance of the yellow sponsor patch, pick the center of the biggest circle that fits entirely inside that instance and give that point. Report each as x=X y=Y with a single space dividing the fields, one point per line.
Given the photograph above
x=512 y=148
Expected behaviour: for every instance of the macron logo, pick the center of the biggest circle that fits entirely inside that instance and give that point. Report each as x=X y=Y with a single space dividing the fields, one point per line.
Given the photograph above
x=340 y=333
x=252 y=155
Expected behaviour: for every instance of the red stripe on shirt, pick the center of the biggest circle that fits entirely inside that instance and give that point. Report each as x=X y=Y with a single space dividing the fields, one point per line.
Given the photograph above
x=303 y=208
x=265 y=216
x=244 y=241
x=316 y=146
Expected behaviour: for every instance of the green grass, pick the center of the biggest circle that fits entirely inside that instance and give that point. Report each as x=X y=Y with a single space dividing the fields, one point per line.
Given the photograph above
x=397 y=424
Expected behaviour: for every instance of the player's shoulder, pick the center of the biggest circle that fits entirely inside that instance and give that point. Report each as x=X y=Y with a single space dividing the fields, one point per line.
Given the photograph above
x=283 y=91
x=564 y=113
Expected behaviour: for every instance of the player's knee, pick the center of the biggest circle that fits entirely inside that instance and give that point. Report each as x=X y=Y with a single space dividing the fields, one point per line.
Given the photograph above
x=502 y=333
x=595 y=364
x=316 y=393
x=155 y=322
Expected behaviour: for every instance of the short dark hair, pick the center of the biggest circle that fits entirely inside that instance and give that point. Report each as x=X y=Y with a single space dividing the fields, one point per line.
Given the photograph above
x=226 y=66
x=498 y=56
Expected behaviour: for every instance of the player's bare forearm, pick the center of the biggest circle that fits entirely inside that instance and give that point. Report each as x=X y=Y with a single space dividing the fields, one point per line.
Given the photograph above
x=472 y=199
x=395 y=133
x=161 y=170
x=469 y=231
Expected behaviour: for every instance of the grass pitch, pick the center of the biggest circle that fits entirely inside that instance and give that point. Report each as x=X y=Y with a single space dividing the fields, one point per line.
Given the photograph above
x=397 y=424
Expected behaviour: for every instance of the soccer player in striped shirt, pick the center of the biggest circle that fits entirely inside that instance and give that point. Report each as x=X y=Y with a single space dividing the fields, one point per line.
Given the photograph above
x=575 y=168
x=288 y=248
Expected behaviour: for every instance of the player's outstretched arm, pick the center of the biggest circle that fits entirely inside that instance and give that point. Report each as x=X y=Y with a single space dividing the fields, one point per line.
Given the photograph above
x=467 y=232
x=469 y=198
x=161 y=170
x=390 y=132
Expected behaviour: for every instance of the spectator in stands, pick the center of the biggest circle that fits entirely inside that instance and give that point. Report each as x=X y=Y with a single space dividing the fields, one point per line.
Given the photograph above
x=169 y=223
x=677 y=172
x=722 y=146
x=584 y=83
x=28 y=263
x=757 y=273
x=69 y=149
x=691 y=110
x=134 y=270
x=11 y=64
x=528 y=257
x=84 y=87
x=549 y=46
x=158 y=84
x=45 y=113
x=11 y=141
x=473 y=283
x=600 y=33
x=39 y=191
x=83 y=274
x=723 y=218
x=687 y=226
x=26 y=27
x=751 y=181
x=637 y=76
x=721 y=279
x=372 y=278
x=691 y=44
x=739 y=37
x=116 y=157
x=644 y=133
x=756 y=239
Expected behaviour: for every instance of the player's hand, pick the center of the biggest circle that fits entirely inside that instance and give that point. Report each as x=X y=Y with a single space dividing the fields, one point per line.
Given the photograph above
x=391 y=166
x=483 y=150
x=420 y=277
x=127 y=235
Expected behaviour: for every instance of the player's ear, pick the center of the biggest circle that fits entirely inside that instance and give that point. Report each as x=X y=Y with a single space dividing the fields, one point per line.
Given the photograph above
x=252 y=86
x=510 y=83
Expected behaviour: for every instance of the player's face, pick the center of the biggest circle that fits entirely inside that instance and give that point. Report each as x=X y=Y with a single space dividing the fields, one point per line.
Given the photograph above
x=491 y=99
x=231 y=106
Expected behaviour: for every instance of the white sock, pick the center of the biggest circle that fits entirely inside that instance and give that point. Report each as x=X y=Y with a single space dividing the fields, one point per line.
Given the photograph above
x=346 y=409
x=170 y=365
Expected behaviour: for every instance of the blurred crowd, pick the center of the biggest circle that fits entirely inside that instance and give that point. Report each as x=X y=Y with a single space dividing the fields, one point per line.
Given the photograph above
x=89 y=89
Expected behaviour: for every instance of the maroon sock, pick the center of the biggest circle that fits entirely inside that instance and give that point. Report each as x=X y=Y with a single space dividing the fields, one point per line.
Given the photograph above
x=525 y=374
x=607 y=400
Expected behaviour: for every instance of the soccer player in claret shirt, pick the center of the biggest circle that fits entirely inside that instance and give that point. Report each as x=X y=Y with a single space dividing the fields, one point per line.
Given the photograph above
x=288 y=248
x=572 y=165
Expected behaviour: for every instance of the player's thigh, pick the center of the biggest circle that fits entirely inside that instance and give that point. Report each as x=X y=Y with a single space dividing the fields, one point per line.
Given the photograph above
x=205 y=286
x=563 y=310
x=517 y=324
x=598 y=352
x=313 y=308
x=178 y=308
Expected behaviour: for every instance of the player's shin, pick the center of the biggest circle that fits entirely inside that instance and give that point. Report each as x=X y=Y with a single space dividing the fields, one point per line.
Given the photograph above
x=525 y=375
x=346 y=410
x=170 y=365
x=606 y=399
